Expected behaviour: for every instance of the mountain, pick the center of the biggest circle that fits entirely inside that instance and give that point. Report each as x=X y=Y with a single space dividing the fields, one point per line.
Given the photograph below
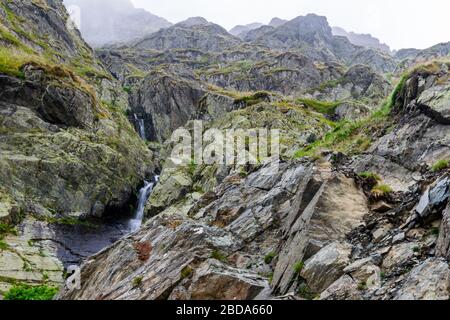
x=276 y=22
x=351 y=201
x=114 y=21
x=363 y=40
x=193 y=33
x=240 y=30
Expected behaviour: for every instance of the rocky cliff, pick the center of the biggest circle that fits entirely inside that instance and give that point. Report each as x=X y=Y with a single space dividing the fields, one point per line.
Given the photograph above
x=68 y=152
x=365 y=223
x=355 y=206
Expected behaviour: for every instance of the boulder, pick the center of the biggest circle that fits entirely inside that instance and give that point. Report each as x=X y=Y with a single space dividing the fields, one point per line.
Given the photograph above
x=443 y=243
x=326 y=208
x=343 y=289
x=428 y=281
x=326 y=266
x=215 y=281
x=399 y=255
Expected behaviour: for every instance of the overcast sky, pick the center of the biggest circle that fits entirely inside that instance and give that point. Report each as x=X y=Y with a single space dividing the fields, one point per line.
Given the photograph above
x=399 y=23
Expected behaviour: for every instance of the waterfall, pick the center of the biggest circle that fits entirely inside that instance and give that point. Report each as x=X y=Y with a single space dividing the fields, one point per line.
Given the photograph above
x=141 y=127
x=144 y=194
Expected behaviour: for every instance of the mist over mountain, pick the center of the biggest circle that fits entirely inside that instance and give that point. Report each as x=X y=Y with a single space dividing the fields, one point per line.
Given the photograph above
x=364 y=40
x=112 y=21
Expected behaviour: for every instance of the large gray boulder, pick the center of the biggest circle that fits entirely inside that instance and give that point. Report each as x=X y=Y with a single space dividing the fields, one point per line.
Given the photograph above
x=428 y=281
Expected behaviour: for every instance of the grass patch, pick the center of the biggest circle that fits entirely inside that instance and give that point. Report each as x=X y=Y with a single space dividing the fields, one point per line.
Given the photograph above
x=3 y=245
x=440 y=165
x=350 y=137
x=327 y=108
x=269 y=257
x=25 y=292
x=253 y=99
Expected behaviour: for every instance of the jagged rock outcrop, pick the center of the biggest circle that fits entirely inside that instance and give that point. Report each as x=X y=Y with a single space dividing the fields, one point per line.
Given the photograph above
x=413 y=57
x=165 y=102
x=359 y=83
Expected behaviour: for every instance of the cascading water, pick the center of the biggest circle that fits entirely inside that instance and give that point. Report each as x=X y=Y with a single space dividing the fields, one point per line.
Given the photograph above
x=144 y=194
x=141 y=127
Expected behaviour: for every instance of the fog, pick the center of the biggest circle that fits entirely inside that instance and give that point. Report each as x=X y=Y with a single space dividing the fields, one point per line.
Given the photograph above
x=400 y=23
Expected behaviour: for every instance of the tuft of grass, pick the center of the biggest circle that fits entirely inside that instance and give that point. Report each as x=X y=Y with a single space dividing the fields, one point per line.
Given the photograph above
x=440 y=165
x=362 y=286
x=192 y=167
x=369 y=175
x=7 y=229
x=298 y=267
x=3 y=245
x=381 y=190
x=26 y=292
x=269 y=257
x=216 y=254
x=186 y=272
x=137 y=282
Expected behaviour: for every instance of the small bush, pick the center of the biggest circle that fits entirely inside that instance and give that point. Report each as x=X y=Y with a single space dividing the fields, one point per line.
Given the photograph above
x=269 y=258
x=25 y=292
x=440 y=165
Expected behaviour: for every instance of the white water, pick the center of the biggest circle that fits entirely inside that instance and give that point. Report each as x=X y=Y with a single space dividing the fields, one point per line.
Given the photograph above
x=141 y=127
x=136 y=223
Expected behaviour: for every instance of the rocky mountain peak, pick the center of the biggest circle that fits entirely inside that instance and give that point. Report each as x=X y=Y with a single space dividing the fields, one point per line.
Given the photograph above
x=193 y=21
x=242 y=30
x=309 y=24
x=276 y=22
